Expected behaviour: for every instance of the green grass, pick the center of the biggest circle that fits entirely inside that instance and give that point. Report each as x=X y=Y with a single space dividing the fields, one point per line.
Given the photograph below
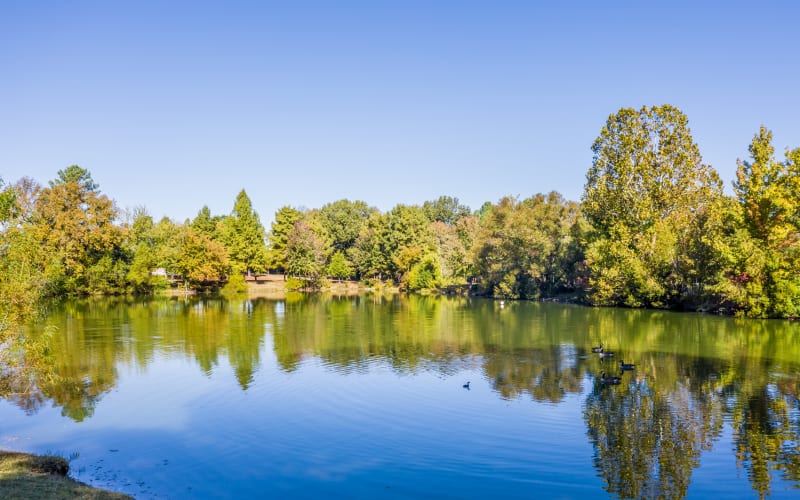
x=24 y=476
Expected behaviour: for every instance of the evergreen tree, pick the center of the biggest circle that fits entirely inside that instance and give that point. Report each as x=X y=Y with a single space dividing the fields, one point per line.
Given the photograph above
x=763 y=245
x=244 y=237
x=283 y=224
x=206 y=224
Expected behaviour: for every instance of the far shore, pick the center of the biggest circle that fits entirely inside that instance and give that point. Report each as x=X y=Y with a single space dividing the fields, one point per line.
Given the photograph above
x=275 y=288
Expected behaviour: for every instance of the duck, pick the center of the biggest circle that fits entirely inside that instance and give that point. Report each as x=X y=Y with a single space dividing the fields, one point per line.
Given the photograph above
x=606 y=354
x=598 y=348
x=626 y=366
x=609 y=380
x=466 y=386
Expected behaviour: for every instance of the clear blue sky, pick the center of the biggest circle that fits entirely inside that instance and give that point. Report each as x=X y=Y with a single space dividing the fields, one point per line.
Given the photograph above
x=175 y=105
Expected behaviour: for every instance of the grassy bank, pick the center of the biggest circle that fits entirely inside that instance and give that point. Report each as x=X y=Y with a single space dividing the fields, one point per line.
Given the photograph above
x=24 y=476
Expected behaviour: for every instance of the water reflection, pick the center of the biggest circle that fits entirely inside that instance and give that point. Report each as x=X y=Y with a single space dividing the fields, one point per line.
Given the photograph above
x=649 y=432
x=694 y=374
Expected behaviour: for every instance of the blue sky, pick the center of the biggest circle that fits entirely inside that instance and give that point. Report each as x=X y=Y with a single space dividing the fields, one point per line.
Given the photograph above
x=176 y=105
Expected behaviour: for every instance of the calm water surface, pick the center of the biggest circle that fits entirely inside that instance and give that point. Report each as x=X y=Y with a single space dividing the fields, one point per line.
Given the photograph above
x=313 y=396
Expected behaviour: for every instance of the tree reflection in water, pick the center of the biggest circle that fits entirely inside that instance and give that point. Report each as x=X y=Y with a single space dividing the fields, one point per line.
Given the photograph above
x=694 y=374
x=649 y=433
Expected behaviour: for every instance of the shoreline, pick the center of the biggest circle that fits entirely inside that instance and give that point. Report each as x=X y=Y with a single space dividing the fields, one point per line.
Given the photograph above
x=31 y=476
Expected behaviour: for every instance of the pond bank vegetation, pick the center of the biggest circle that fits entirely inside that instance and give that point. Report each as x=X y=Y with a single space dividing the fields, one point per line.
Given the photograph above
x=26 y=476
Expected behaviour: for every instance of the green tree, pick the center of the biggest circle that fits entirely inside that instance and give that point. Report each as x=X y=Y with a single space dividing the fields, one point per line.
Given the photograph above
x=198 y=258
x=521 y=248
x=207 y=224
x=21 y=264
x=339 y=267
x=445 y=209
x=78 y=175
x=343 y=221
x=283 y=224
x=646 y=182
x=367 y=255
x=405 y=237
x=305 y=252
x=765 y=191
x=244 y=237
x=143 y=246
x=425 y=274
x=8 y=202
x=454 y=247
x=762 y=254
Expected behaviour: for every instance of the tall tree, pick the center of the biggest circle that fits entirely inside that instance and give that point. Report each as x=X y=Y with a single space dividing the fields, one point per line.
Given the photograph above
x=75 y=223
x=207 y=224
x=283 y=224
x=765 y=190
x=244 y=237
x=77 y=174
x=646 y=181
x=763 y=244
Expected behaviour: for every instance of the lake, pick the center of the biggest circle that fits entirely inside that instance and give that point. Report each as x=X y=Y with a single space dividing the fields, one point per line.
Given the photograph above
x=363 y=397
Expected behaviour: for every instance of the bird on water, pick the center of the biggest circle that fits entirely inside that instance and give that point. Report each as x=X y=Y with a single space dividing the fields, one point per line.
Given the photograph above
x=466 y=386
x=610 y=379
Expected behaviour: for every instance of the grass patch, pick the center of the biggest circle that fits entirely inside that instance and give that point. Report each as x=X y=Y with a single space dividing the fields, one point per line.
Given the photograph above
x=27 y=476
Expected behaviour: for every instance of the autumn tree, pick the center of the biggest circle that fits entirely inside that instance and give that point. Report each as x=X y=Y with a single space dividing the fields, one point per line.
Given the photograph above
x=199 y=259
x=75 y=223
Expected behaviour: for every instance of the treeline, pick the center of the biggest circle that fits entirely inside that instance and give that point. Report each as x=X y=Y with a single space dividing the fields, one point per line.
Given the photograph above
x=653 y=229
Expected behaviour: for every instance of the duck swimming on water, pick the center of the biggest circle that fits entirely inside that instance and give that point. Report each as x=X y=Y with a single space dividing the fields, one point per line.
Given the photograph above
x=598 y=348
x=466 y=386
x=626 y=366
x=606 y=354
x=609 y=380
